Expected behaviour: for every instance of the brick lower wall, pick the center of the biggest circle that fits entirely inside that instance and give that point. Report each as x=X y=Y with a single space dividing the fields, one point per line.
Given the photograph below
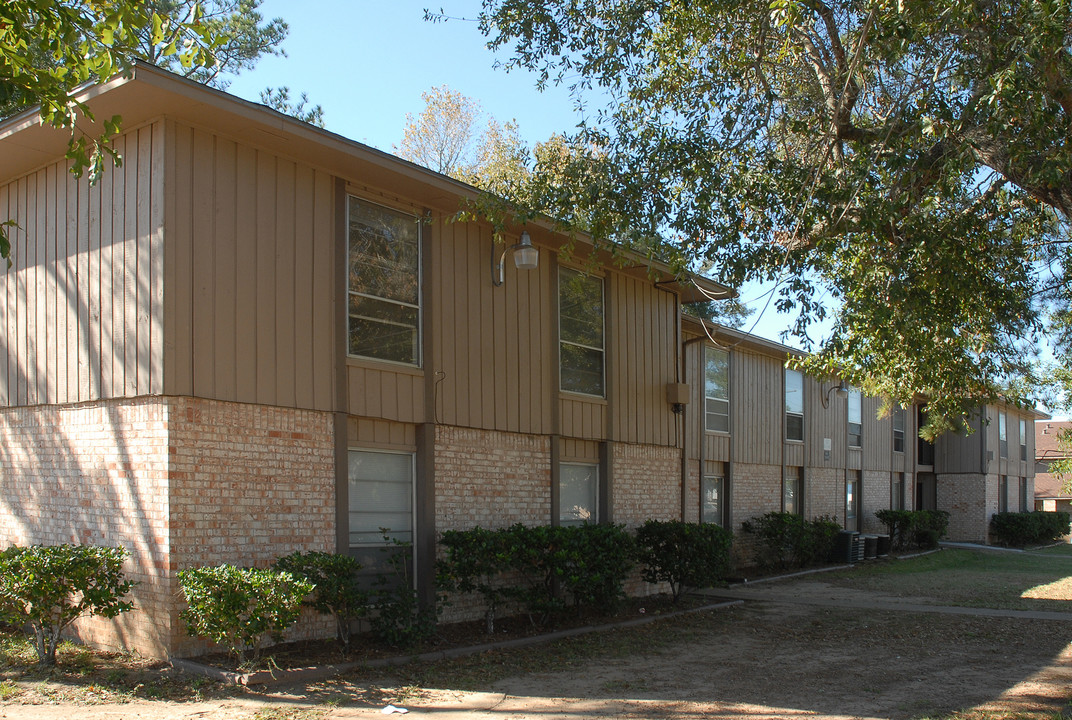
x=95 y=474
x=825 y=493
x=647 y=483
x=875 y=497
x=177 y=482
x=249 y=483
x=970 y=499
x=491 y=479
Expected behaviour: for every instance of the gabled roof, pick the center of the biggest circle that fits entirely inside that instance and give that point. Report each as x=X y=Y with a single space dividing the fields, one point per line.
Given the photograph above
x=148 y=92
x=1046 y=447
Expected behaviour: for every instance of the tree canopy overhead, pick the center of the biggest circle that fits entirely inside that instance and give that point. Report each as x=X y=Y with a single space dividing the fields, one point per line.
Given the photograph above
x=904 y=166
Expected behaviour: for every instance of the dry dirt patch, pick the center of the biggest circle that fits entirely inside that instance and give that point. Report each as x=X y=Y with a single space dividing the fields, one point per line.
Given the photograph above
x=762 y=660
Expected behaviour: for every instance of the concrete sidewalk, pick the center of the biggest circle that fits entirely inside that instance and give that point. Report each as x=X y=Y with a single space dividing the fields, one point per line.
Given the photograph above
x=779 y=595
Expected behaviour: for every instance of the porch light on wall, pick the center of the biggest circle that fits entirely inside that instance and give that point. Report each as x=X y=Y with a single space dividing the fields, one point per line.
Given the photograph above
x=526 y=257
x=842 y=392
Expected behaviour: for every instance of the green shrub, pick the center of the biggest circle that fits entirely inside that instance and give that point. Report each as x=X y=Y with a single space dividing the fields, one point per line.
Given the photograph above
x=530 y=552
x=786 y=540
x=914 y=528
x=396 y=616
x=337 y=591
x=686 y=555
x=543 y=569
x=48 y=587
x=1019 y=529
x=240 y=607
x=473 y=562
x=591 y=562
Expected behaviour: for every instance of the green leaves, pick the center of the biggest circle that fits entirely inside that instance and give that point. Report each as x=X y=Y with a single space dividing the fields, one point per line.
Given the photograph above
x=48 y=587
x=893 y=166
x=241 y=607
x=685 y=555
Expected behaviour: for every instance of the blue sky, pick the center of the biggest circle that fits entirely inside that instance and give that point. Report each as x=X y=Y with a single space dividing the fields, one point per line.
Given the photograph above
x=366 y=62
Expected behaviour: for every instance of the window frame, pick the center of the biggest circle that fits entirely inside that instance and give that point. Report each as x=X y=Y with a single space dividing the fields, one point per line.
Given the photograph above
x=562 y=342
x=1003 y=436
x=793 y=413
x=350 y=293
x=897 y=491
x=1023 y=440
x=793 y=478
x=709 y=397
x=854 y=427
x=899 y=417
x=853 y=494
x=357 y=548
x=719 y=514
x=595 y=519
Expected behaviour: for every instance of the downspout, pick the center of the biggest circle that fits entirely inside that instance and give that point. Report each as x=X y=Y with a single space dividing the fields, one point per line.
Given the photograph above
x=703 y=444
x=680 y=423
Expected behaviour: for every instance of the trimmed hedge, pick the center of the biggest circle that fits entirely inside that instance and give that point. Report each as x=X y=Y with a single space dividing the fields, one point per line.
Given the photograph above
x=686 y=555
x=547 y=569
x=786 y=540
x=1018 y=529
x=909 y=529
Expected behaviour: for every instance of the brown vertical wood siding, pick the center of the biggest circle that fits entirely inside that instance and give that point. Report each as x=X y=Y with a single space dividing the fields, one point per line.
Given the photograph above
x=249 y=257
x=82 y=315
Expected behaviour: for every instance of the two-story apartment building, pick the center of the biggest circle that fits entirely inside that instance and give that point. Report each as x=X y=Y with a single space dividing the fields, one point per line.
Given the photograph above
x=256 y=337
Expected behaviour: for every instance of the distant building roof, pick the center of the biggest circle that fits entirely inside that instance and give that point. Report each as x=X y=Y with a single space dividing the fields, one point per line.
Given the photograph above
x=1046 y=440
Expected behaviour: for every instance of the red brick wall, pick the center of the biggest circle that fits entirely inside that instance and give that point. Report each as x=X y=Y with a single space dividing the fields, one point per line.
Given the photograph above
x=647 y=483
x=491 y=479
x=970 y=499
x=249 y=483
x=178 y=482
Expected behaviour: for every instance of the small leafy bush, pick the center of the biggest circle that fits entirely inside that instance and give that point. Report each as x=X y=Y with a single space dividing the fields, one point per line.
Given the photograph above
x=686 y=555
x=49 y=587
x=396 y=616
x=241 y=607
x=337 y=590
x=474 y=561
x=786 y=540
x=909 y=529
x=1018 y=529
x=591 y=562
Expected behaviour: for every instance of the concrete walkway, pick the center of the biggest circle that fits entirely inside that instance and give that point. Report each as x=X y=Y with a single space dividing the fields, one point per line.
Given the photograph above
x=773 y=593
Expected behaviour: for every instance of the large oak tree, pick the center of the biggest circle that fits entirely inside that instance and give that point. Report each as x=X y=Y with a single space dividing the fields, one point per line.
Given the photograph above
x=903 y=165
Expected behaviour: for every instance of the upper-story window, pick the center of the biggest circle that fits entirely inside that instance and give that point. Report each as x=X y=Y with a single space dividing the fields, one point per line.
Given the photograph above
x=898 y=428
x=794 y=405
x=580 y=327
x=1003 y=436
x=1023 y=439
x=384 y=283
x=855 y=418
x=717 y=390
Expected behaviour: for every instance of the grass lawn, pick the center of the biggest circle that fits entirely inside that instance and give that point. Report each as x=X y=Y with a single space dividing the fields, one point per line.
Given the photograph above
x=1038 y=580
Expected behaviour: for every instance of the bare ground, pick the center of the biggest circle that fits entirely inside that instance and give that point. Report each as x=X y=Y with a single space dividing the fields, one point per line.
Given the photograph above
x=765 y=659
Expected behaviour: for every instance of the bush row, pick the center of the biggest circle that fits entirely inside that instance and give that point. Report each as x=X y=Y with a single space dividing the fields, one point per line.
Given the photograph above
x=787 y=540
x=921 y=529
x=1018 y=529
x=543 y=570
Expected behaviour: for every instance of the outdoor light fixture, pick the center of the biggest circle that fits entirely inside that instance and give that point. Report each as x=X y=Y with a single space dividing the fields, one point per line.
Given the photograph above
x=526 y=257
x=842 y=392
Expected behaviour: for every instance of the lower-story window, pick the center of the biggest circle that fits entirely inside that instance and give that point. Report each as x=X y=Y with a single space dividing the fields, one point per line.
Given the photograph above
x=852 y=500
x=897 y=492
x=578 y=493
x=1003 y=494
x=714 y=499
x=792 y=485
x=1023 y=496
x=381 y=505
